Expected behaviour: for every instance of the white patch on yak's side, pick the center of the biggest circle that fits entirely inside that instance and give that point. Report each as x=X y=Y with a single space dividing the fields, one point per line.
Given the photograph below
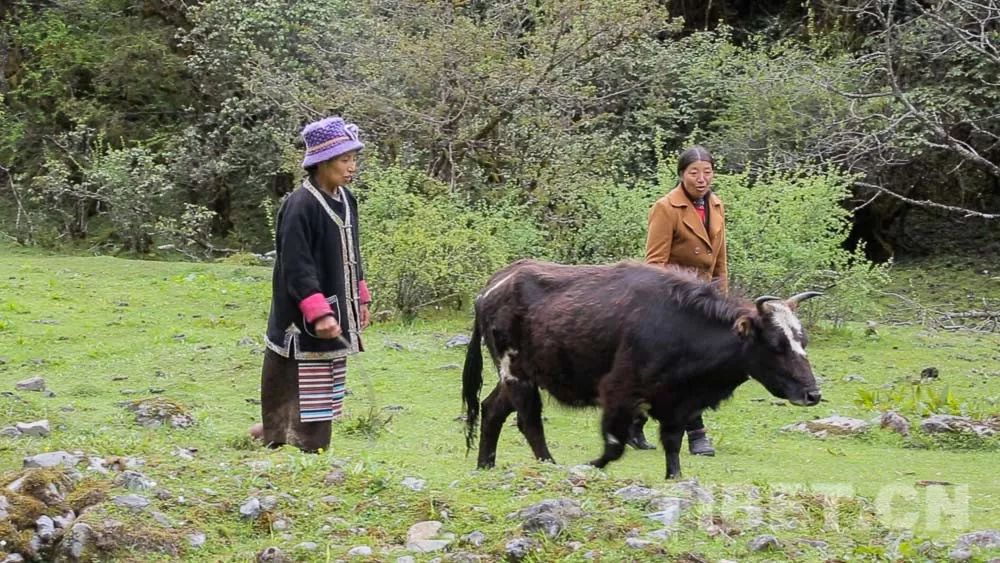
x=785 y=319
x=505 y=374
x=611 y=440
x=489 y=290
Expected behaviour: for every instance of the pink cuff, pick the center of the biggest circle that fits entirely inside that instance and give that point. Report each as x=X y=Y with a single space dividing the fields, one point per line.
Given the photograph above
x=363 y=293
x=314 y=307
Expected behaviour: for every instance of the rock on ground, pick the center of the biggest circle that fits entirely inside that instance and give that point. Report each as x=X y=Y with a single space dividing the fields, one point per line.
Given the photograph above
x=940 y=423
x=39 y=428
x=764 y=543
x=32 y=384
x=896 y=422
x=834 y=425
x=51 y=459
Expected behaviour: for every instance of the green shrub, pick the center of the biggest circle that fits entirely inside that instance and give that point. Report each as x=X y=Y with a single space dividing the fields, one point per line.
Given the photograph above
x=785 y=234
x=424 y=246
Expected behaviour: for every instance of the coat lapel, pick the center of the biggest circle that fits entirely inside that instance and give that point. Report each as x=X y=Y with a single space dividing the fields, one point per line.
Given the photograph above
x=690 y=216
x=716 y=223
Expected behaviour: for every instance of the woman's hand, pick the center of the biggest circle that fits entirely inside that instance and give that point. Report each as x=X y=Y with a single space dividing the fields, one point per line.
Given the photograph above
x=366 y=316
x=328 y=327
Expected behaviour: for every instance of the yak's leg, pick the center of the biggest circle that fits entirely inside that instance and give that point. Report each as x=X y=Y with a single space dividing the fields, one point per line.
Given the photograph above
x=528 y=403
x=615 y=425
x=495 y=408
x=671 y=436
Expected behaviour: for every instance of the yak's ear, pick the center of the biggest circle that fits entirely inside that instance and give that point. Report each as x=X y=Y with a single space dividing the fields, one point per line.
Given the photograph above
x=743 y=326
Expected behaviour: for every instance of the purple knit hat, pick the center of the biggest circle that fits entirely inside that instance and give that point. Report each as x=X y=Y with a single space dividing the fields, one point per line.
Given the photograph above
x=329 y=138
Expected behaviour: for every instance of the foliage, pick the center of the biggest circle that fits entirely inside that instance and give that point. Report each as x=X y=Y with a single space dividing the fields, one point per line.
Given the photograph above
x=785 y=234
x=538 y=122
x=126 y=186
x=423 y=246
x=920 y=400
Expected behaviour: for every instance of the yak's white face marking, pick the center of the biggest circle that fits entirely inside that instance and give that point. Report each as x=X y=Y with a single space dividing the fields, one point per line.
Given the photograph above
x=785 y=319
x=611 y=440
x=489 y=290
x=505 y=374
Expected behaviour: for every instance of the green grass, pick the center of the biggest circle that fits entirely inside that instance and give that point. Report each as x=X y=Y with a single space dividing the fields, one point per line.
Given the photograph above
x=103 y=331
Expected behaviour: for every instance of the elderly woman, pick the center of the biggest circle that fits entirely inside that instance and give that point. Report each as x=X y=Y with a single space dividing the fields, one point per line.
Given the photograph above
x=687 y=227
x=319 y=299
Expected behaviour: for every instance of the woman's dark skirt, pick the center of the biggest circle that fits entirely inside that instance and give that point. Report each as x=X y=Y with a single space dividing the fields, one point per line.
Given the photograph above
x=279 y=403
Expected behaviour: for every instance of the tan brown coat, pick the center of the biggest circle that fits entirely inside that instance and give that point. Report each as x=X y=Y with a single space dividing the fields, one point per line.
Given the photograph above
x=676 y=235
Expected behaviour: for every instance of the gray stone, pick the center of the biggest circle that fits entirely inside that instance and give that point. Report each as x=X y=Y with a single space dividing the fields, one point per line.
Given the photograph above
x=80 y=539
x=406 y=559
x=939 y=423
x=833 y=425
x=414 y=484
x=635 y=493
x=45 y=528
x=427 y=546
x=475 y=538
x=196 y=539
x=38 y=428
x=330 y=499
x=335 y=477
x=985 y=539
x=549 y=524
x=134 y=481
x=135 y=503
x=425 y=530
x=51 y=459
x=764 y=542
x=449 y=367
x=568 y=508
x=456 y=341
x=307 y=546
x=960 y=555
x=269 y=503
x=816 y=544
x=518 y=548
x=360 y=551
x=690 y=489
x=10 y=432
x=895 y=422
x=64 y=521
x=667 y=510
x=13 y=558
x=853 y=378
x=250 y=509
x=162 y=519
x=32 y=384
x=637 y=543
x=280 y=525
x=273 y=555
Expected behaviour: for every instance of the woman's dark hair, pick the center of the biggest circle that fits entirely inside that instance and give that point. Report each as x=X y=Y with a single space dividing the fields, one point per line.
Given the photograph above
x=692 y=155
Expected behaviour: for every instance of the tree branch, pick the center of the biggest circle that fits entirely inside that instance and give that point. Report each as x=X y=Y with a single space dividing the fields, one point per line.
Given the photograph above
x=930 y=204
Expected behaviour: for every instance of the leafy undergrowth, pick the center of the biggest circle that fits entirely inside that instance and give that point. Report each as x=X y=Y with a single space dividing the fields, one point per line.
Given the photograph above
x=105 y=333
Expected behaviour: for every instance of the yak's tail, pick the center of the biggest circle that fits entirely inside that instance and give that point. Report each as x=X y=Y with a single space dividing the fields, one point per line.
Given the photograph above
x=472 y=383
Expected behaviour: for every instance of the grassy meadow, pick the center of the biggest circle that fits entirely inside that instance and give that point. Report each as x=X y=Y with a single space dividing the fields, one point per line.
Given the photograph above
x=103 y=330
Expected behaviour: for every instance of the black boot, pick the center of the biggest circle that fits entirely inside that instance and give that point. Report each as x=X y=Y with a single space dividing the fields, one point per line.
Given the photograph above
x=699 y=444
x=636 y=437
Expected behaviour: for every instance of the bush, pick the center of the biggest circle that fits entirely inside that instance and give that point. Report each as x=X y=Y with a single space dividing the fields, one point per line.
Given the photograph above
x=424 y=246
x=785 y=234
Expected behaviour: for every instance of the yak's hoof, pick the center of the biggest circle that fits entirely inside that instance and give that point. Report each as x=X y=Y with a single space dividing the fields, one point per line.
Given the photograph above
x=639 y=442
